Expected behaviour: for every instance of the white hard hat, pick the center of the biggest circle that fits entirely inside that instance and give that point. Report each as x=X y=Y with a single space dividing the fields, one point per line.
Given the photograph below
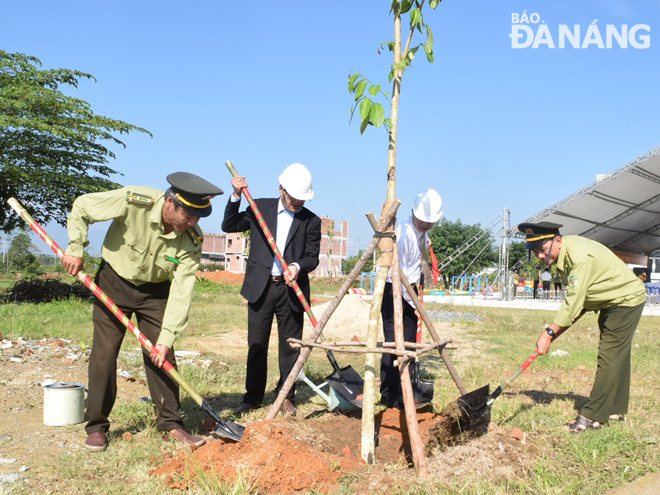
x=297 y=181
x=428 y=206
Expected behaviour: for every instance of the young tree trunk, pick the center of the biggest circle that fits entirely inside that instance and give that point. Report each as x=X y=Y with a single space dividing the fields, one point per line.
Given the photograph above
x=385 y=261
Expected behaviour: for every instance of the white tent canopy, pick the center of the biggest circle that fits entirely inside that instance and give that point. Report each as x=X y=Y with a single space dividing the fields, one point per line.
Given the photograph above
x=620 y=210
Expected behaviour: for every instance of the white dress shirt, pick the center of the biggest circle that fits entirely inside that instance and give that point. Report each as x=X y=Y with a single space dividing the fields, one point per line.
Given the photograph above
x=407 y=240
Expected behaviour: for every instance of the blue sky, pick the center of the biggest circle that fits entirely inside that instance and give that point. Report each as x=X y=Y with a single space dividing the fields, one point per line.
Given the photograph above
x=264 y=84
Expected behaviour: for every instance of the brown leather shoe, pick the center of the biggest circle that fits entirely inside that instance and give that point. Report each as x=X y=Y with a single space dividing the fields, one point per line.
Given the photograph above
x=288 y=408
x=245 y=407
x=180 y=435
x=96 y=442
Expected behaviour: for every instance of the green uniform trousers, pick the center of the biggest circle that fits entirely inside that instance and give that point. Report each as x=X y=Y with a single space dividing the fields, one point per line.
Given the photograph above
x=611 y=389
x=147 y=302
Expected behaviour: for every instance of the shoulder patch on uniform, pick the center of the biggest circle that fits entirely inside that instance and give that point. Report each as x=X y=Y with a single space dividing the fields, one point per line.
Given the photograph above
x=573 y=281
x=194 y=236
x=134 y=198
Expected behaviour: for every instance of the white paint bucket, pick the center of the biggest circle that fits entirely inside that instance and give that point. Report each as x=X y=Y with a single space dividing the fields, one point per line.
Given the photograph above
x=64 y=403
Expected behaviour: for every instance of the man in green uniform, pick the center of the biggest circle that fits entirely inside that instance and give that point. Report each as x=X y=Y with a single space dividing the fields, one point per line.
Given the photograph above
x=151 y=253
x=595 y=280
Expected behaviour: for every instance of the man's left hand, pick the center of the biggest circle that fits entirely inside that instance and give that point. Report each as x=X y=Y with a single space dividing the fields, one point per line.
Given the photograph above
x=291 y=275
x=158 y=357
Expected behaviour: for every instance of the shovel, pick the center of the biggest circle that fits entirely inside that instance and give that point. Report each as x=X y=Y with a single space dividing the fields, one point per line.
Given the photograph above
x=350 y=381
x=225 y=429
x=473 y=408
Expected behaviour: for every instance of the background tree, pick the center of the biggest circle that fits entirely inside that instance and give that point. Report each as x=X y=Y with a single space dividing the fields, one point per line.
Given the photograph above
x=349 y=263
x=50 y=143
x=20 y=255
x=330 y=232
x=448 y=237
x=521 y=259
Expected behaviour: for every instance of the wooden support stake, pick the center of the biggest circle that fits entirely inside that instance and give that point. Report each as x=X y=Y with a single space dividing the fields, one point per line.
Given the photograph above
x=369 y=350
x=416 y=445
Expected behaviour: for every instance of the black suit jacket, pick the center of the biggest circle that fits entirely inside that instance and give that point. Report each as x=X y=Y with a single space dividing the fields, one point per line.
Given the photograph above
x=302 y=246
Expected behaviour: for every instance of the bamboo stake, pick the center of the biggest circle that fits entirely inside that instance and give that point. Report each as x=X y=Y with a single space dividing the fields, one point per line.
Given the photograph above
x=296 y=343
x=356 y=343
x=416 y=446
x=304 y=354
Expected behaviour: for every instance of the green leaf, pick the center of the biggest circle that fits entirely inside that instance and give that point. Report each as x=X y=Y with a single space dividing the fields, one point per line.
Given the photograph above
x=429 y=39
x=351 y=82
x=360 y=89
x=405 y=6
x=388 y=44
x=363 y=125
x=364 y=108
x=411 y=54
x=388 y=123
x=429 y=54
x=434 y=3
x=373 y=90
x=377 y=114
x=415 y=17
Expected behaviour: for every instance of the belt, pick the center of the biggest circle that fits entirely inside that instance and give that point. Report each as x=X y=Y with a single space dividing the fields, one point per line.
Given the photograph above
x=277 y=278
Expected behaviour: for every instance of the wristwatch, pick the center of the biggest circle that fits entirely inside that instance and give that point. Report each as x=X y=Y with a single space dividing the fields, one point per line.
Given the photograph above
x=550 y=332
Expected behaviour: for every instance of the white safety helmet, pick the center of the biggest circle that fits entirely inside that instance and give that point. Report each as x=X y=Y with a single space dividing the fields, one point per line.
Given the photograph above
x=297 y=181
x=428 y=206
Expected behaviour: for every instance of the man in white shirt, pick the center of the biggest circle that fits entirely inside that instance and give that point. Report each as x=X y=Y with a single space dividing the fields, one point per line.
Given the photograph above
x=266 y=287
x=412 y=243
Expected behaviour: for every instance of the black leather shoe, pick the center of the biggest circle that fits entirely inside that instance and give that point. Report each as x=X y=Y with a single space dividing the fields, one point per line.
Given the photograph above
x=96 y=442
x=245 y=407
x=288 y=408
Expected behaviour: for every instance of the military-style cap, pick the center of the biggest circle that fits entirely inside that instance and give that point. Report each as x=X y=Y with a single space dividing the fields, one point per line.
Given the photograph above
x=537 y=233
x=194 y=192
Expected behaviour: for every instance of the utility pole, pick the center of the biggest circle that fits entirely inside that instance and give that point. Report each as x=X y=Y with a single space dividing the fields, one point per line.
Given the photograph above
x=503 y=266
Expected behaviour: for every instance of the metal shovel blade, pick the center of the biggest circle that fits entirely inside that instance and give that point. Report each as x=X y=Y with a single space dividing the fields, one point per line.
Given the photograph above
x=228 y=429
x=474 y=409
x=348 y=384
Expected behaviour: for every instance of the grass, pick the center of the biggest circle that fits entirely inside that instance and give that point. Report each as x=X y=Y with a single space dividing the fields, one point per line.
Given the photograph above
x=547 y=395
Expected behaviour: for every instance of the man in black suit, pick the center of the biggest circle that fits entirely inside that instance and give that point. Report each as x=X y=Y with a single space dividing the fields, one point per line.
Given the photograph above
x=267 y=288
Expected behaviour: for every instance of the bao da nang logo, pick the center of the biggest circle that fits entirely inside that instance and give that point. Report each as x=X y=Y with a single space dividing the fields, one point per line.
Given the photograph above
x=529 y=31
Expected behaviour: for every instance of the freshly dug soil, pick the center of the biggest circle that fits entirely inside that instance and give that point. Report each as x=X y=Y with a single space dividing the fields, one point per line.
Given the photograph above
x=295 y=455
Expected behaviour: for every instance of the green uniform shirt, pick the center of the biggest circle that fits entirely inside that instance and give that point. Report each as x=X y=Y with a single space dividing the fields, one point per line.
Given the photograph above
x=594 y=278
x=138 y=249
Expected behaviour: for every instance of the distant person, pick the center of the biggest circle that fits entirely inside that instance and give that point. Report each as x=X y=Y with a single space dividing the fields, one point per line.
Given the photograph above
x=267 y=288
x=537 y=278
x=642 y=277
x=597 y=281
x=546 y=277
x=150 y=257
x=412 y=243
x=557 y=282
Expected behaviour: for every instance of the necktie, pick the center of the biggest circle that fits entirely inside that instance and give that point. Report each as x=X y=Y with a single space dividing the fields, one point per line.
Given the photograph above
x=425 y=277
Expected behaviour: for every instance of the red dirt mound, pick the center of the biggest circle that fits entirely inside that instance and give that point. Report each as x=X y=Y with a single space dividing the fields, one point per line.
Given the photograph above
x=290 y=455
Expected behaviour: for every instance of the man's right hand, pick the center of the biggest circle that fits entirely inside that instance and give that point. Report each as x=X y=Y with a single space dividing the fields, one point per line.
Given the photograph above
x=72 y=264
x=238 y=183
